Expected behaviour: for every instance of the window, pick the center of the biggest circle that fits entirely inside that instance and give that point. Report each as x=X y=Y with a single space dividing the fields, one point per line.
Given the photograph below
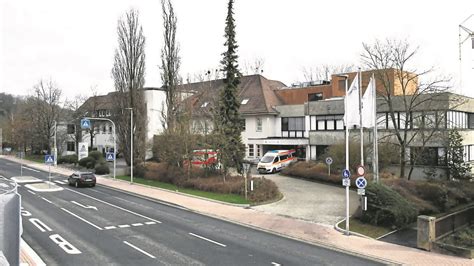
x=470 y=120
x=382 y=120
x=258 y=150
x=259 y=124
x=283 y=157
x=276 y=159
x=430 y=120
x=71 y=146
x=244 y=101
x=71 y=128
x=110 y=129
x=312 y=97
x=104 y=129
x=251 y=151
x=330 y=123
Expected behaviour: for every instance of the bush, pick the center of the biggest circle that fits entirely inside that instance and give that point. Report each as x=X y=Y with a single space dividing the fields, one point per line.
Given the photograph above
x=386 y=207
x=72 y=159
x=139 y=170
x=102 y=169
x=314 y=171
x=97 y=155
x=88 y=162
x=264 y=190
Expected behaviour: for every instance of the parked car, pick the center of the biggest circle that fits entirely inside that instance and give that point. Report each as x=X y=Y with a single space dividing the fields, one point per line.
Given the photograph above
x=81 y=179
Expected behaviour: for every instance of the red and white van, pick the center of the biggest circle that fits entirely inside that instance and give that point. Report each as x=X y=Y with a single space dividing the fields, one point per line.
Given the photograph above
x=276 y=160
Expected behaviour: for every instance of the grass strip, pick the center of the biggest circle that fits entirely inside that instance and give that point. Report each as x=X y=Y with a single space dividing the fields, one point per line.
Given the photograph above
x=229 y=198
x=369 y=230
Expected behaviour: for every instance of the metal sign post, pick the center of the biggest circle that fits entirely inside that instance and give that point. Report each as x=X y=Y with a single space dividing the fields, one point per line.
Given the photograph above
x=49 y=160
x=346 y=174
x=329 y=162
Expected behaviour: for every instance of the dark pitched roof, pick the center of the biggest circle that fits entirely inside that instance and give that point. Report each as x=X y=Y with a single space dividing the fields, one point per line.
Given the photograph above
x=257 y=89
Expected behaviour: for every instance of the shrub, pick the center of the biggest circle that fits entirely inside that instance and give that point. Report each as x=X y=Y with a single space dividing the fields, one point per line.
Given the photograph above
x=264 y=190
x=139 y=170
x=313 y=171
x=102 y=169
x=386 y=207
x=87 y=162
x=67 y=159
x=97 y=155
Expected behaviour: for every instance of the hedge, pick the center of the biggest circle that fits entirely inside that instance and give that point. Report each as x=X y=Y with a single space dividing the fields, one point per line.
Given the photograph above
x=386 y=207
x=88 y=162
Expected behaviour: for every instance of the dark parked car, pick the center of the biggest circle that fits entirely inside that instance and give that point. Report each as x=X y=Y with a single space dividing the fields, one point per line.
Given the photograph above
x=82 y=178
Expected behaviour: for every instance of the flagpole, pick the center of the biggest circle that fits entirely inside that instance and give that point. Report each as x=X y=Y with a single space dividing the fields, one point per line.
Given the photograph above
x=376 y=146
x=347 y=154
x=360 y=121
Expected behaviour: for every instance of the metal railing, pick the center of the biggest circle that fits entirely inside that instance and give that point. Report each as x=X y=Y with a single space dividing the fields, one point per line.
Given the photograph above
x=452 y=222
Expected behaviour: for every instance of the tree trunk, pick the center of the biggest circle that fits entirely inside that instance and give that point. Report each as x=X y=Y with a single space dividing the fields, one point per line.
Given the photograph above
x=402 y=161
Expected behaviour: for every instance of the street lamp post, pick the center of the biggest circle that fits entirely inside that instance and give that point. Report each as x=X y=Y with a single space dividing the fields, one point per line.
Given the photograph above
x=131 y=144
x=55 y=143
x=347 y=154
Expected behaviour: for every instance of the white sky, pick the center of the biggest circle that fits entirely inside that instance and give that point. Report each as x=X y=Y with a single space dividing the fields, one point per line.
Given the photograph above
x=73 y=42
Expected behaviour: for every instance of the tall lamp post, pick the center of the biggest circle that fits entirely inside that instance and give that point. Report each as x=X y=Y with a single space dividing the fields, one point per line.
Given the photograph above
x=131 y=144
x=346 y=77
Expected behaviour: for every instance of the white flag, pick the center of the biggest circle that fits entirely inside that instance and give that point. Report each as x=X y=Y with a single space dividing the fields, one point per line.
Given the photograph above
x=368 y=110
x=351 y=114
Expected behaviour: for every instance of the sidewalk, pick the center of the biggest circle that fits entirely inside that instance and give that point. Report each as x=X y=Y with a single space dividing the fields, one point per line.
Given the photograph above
x=302 y=230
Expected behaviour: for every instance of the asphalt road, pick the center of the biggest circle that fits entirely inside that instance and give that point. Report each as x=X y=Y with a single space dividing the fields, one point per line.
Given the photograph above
x=103 y=226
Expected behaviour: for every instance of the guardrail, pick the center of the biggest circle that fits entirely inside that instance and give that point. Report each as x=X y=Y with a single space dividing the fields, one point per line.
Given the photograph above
x=432 y=229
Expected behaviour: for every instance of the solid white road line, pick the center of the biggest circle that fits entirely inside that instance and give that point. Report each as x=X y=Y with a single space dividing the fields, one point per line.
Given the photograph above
x=80 y=218
x=207 y=239
x=47 y=200
x=31 y=169
x=60 y=182
x=141 y=250
x=150 y=223
x=123 y=226
x=276 y=264
x=137 y=224
x=31 y=192
x=110 y=227
x=118 y=207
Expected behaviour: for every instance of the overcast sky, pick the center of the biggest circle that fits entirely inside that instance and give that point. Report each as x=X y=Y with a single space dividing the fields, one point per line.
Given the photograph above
x=73 y=42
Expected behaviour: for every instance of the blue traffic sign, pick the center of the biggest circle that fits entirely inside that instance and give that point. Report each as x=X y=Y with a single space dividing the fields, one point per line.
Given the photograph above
x=49 y=159
x=109 y=157
x=346 y=173
x=361 y=182
x=328 y=160
x=85 y=123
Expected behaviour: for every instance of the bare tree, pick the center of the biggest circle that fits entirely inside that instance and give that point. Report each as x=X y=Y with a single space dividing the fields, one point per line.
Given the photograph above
x=407 y=92
x=254 y=67
x=170 y=63
x=128 y=73
x=74 y=106
x=45 y=109
x=325 y=71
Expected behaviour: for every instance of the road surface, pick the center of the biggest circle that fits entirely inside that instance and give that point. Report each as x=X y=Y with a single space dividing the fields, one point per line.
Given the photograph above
x=104 y=226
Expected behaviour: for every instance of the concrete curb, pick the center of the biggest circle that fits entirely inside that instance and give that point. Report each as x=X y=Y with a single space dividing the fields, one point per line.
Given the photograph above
x=31 y=256
x=337 y=228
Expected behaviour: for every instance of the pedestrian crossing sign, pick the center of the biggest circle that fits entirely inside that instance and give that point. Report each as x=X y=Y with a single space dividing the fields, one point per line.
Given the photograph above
x=109 y=157
x=85 y=123
x=49 y=159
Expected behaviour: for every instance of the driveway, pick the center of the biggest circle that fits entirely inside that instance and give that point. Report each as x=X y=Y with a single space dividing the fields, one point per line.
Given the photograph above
x=310 y=201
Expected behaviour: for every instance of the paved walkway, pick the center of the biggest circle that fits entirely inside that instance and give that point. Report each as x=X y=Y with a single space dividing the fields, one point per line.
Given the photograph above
x=310 y=201
x=303 y=230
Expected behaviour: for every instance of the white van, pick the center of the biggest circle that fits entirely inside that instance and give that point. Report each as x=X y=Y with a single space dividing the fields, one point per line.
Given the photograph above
x=276 y=160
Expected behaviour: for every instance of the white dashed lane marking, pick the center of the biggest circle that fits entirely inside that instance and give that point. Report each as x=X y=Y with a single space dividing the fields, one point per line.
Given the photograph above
x=137 y=224
x=124 y=226
x=110 y=227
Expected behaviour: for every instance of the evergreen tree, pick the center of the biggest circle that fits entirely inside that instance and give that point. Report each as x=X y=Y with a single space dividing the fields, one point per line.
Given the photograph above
x=227 y=119
x=457 y=167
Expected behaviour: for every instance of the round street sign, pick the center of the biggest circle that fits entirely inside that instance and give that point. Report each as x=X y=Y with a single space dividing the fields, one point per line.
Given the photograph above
x=329 y=160
x=346 y=173
x=360 y=170
x=361 y=182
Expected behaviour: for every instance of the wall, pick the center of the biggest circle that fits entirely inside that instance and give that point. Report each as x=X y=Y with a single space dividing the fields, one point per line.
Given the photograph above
x=155 y=102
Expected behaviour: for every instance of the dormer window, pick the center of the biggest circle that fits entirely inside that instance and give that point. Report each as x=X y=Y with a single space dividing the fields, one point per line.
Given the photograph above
x=244 y=101
x=204 y=104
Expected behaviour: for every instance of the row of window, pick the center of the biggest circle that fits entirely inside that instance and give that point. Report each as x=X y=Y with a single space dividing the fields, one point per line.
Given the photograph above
x=251 y=150
x=429 y=119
